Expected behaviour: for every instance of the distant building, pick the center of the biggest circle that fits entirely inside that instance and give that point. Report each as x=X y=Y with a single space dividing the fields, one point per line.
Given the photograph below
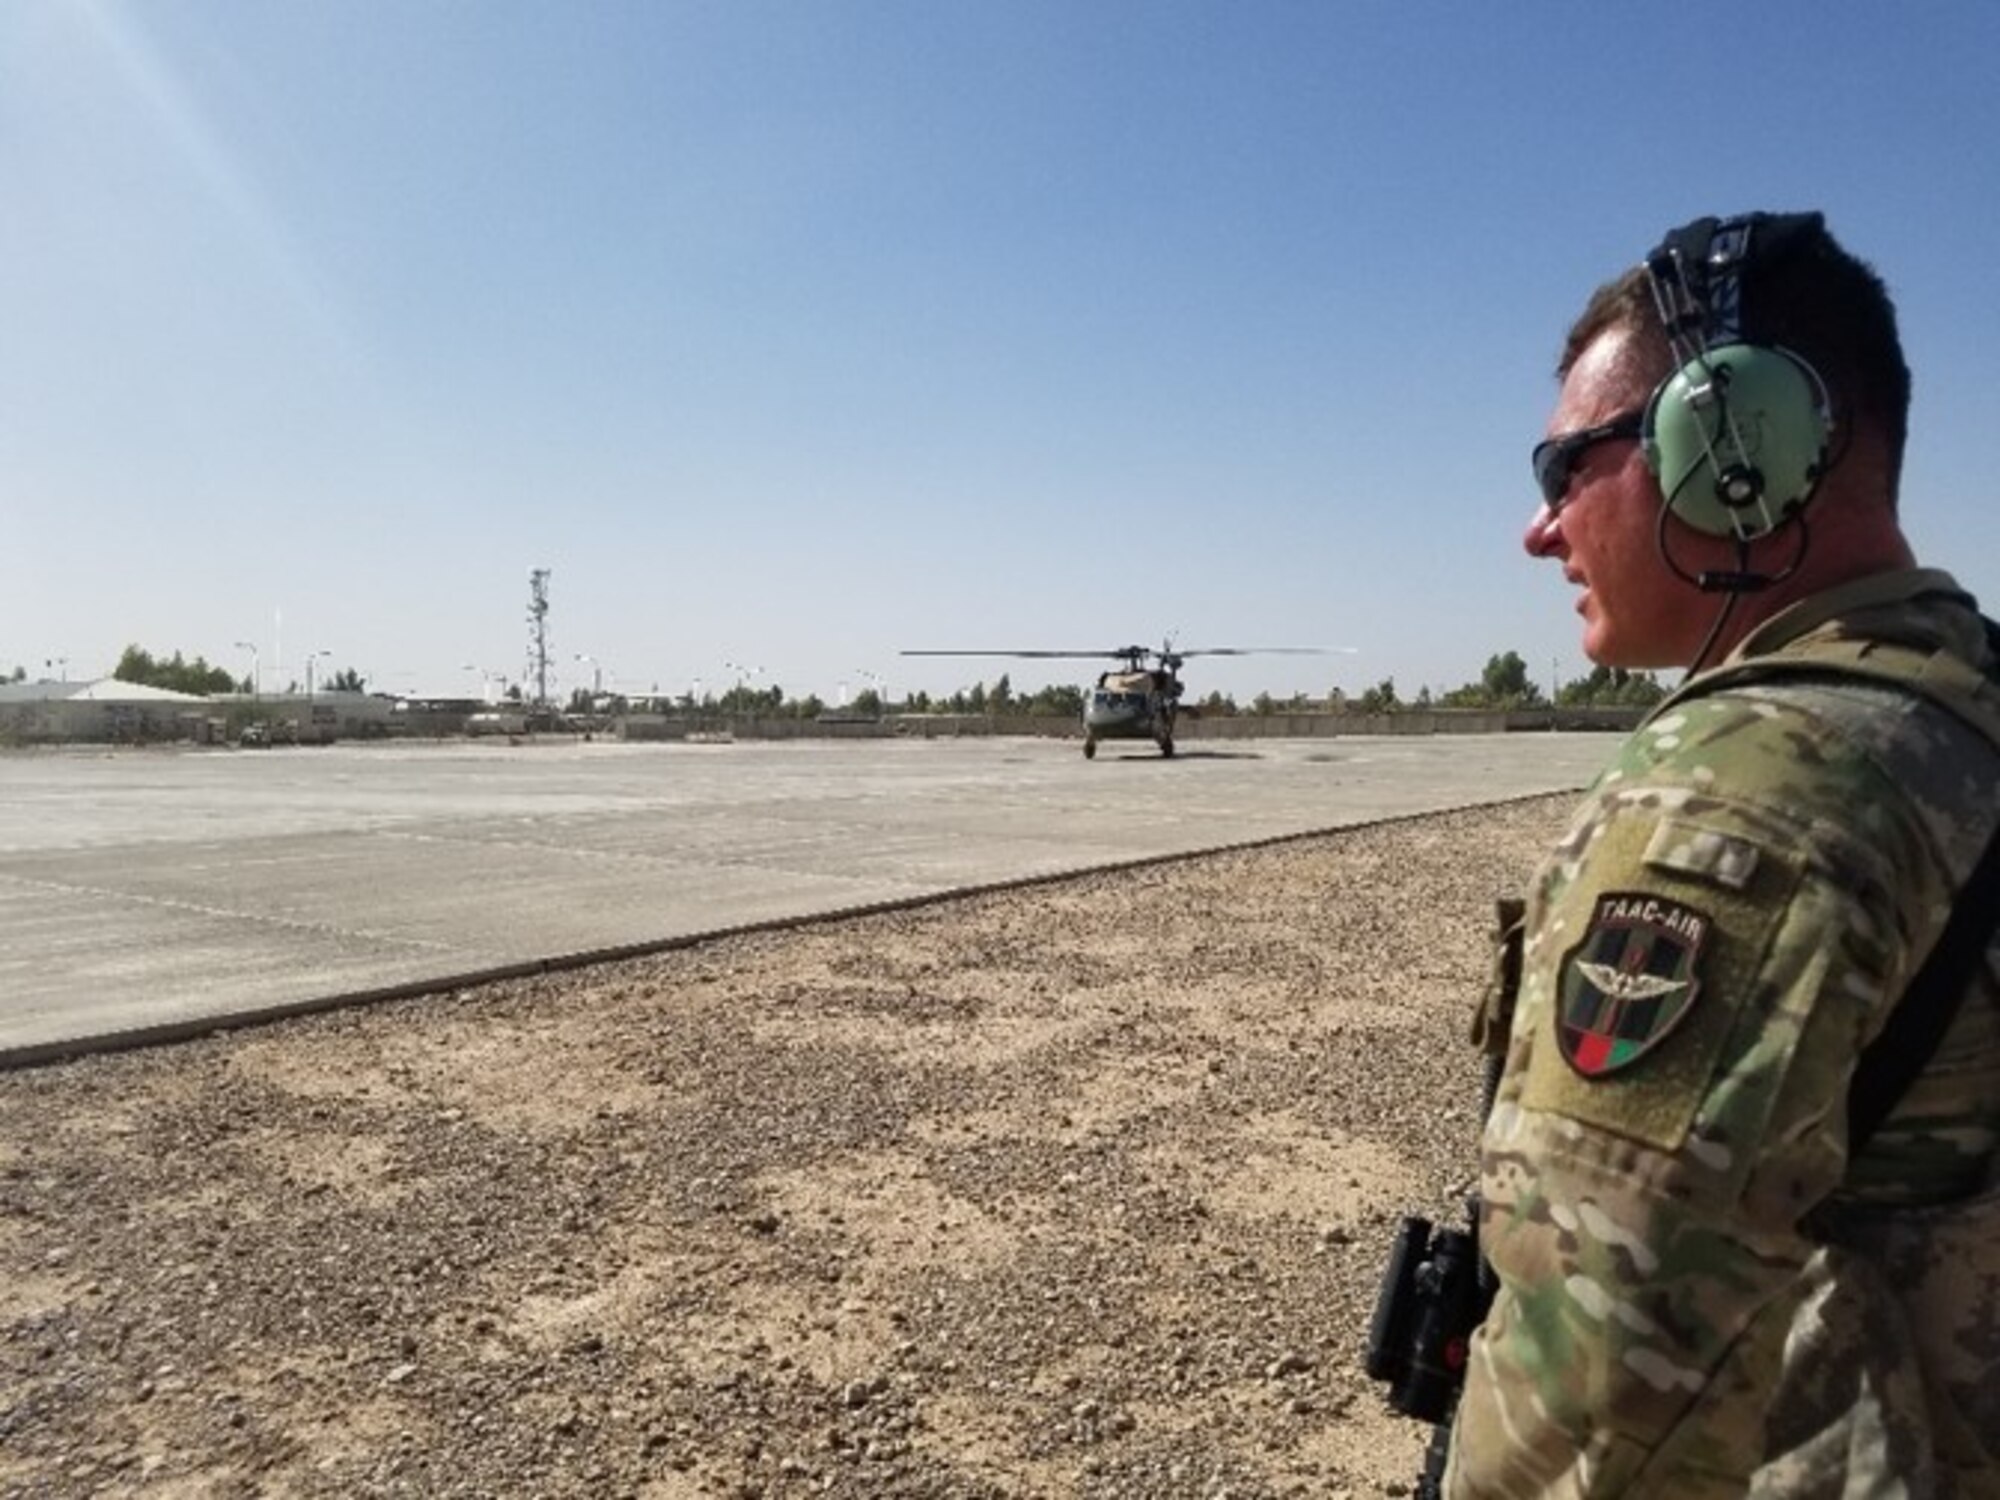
x=111 y=711
x=106 y=710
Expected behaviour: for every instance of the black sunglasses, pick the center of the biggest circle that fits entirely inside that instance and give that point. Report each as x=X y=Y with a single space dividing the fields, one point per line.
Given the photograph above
x=1556 y=458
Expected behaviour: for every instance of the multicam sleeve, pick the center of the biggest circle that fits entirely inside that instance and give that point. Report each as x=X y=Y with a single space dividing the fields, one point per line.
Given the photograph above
x=1697 y=982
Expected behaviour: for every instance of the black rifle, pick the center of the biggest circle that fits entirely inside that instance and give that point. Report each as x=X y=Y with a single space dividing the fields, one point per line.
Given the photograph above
x=1435 y=1292
x=1437 y=1287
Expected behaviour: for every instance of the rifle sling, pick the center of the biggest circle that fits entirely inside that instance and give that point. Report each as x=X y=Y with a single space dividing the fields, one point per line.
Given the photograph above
x=1891 y=1063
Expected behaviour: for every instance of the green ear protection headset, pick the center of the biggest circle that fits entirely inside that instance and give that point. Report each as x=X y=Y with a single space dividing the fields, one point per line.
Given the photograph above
x=1738 y=435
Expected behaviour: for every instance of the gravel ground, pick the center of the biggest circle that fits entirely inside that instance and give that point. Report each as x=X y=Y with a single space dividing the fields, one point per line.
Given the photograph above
x=1078 y=1190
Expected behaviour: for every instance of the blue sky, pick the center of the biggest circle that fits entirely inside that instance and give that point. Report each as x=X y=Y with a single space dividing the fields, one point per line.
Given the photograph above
x=791 y=335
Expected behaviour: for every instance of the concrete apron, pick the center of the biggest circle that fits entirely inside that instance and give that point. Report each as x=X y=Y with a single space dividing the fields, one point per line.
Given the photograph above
x=150 y=895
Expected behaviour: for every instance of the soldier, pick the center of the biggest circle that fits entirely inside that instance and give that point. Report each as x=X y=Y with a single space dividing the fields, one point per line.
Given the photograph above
x=1713 y=1280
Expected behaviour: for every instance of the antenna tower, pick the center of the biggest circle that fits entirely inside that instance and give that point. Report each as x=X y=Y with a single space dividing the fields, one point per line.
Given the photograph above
x=538 y=634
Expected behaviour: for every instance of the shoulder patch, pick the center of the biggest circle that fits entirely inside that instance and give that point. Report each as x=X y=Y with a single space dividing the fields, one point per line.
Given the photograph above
x=1630 y=1069
x=1633 y=978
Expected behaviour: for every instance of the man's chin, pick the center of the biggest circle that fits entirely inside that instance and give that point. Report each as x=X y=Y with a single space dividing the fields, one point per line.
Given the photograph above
x=1607 y=648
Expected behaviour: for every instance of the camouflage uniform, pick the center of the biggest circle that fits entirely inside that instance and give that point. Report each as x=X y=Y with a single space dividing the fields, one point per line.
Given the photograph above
x=1700 y=1294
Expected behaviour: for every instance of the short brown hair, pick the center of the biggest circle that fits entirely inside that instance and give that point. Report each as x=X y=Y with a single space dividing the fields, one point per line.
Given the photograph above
x=1823 y=304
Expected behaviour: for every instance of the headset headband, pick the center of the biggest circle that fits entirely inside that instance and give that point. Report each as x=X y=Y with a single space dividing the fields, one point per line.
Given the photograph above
x=1698 y=270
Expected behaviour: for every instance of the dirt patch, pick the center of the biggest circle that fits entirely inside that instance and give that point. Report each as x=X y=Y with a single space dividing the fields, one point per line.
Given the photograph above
x=1079 y=1190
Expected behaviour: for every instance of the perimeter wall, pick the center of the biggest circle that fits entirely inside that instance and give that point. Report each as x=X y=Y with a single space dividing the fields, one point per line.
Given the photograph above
x=1207 y=727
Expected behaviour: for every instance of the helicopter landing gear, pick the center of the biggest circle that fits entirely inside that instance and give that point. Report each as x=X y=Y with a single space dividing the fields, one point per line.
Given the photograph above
x=1090 y=747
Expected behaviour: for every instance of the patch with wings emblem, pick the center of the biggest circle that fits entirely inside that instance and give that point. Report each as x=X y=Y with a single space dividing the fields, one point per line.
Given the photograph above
x=1632 y=979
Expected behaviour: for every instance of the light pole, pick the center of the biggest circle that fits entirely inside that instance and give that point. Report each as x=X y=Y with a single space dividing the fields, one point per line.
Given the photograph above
x=311 y=657
x=596 y=672
x=256 y=680
x=61 y=664
x=743 y=673
x=486 y=681
x=881 y=691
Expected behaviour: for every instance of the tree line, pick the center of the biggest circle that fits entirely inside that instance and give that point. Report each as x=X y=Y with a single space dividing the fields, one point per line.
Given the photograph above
x=177 y=674
x=1504 y=684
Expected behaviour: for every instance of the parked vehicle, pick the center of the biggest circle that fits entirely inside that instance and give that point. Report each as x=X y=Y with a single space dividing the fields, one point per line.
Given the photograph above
x=507 y=722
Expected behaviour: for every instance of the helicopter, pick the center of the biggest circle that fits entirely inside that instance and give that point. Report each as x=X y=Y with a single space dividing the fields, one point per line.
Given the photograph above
x=1140 y=697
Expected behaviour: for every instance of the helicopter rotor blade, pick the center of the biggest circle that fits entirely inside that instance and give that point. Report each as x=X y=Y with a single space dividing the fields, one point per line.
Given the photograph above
x=1118 y=654
x=1009 y=653
x=1269 y=651
x=1165 y=654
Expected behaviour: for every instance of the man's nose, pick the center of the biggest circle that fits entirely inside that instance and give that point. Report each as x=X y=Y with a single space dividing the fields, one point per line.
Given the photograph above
x=1544 y=532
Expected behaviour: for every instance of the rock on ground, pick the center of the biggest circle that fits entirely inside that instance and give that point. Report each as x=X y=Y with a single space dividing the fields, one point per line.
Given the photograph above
x=1075 y=1190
